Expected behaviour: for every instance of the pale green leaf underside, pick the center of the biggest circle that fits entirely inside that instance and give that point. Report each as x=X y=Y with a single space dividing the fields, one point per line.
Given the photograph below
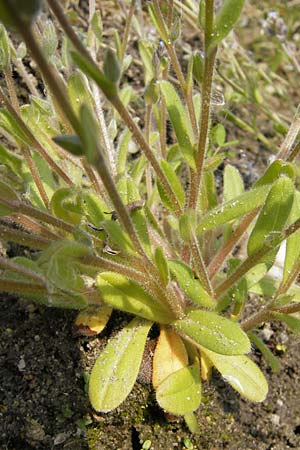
x=214 y=332
x=242 y=374
x=116 y=369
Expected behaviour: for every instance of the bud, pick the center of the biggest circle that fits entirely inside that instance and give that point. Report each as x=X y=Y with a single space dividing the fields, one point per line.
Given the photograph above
x=111 y=66
x=4 y=48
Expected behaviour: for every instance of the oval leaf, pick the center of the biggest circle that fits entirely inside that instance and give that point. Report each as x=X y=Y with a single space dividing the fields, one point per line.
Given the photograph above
x=214 y=332
x=180 y=392
x=116 y=369
x=170 y=355
x=242 y=374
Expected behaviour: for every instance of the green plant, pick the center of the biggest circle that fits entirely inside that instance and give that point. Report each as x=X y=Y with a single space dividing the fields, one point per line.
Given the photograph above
x=147 y=235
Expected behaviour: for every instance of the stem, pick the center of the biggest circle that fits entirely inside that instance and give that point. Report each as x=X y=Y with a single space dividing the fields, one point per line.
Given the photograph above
x=127 y=29
x=200 y=268
x=52 y=81
x=176 y=65
x=223 y=253
x=254 y=259
x=142 y=143
x=267 y=314
x=209 y=63
x=22 y=238
x=118 y=105
x=7 y=264
x=21 y=287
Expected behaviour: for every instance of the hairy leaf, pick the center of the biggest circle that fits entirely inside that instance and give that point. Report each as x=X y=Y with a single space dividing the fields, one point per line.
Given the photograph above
x=242 y=374
x=214 y=332
x=112 y=377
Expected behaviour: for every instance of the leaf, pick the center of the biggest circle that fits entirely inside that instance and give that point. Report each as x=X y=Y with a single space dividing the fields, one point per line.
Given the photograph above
x=214 y=332
x=225 y=20
x=191 y=286
x=126 y=295
x=276 y=169
x=115 y=371
x=162 y=265
x=274 y=213
x=292 y=252
x=91 y=70
x=242 y=374
x=94 y=207
x=118 y=236
x=266 y=352
x=180 y=121
x=175 y=185
x=78 y=91
x=233 y=183
x=233 y=209
x=292 y=322
x=10 y=160
x=170 y=355
x=192 y=423
x=180 y=392
x=92 y=320
x=65 y=204
x=70 y=143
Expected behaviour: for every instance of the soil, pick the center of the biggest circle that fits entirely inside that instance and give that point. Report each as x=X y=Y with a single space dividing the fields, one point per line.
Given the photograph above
x=44 y=368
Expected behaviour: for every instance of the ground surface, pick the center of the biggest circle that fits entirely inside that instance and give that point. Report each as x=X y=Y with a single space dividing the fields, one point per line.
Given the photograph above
x=44 y=364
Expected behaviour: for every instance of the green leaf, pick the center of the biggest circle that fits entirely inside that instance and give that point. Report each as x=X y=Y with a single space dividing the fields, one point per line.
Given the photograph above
x=162 y=265
x=233 y=209
x=146 y=51
x=122 y=151
x=126 y=295
x=180 y=392
x=4 y=48
x=115 y=371
x=214 y=332
x=180 y=121
x=175 y=185
x=49 y=39
x=274 y=213
x=8 y=122
x=111 y=66
x=191 y=286
x=191 y=422
x=292 y=252
x=218 y=135
x=70 y=143
x=242 y=374
x=94 y=207
x=266 y=352
x=10 y=160
x=225 y=20
x=65 y=204
x=233 y=183
x=276 y=169
x=292 y=322
x=91 y=70
x=118 y=236
x=78 y=91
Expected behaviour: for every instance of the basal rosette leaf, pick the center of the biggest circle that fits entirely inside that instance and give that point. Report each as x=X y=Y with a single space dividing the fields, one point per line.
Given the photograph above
x=214 y=332
x=242 y=374
x=116 y=369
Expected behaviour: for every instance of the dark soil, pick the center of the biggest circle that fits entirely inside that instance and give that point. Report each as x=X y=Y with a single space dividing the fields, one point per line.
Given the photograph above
x=43 y=404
